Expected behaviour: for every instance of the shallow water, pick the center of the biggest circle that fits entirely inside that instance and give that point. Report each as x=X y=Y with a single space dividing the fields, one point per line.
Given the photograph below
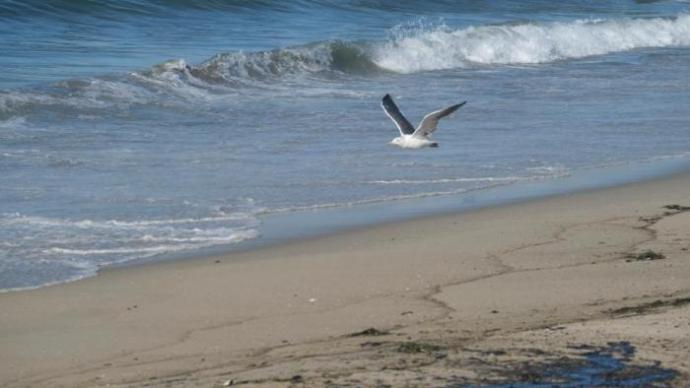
x=609 y=366
x=134 y=130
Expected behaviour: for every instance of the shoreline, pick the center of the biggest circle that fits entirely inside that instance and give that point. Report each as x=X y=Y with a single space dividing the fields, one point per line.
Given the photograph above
x=288 y=227
x=304 y=225
x=487 y=283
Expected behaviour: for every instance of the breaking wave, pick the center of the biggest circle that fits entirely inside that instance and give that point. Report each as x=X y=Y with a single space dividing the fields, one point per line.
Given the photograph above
x=315 y=59
x=416 y=49
x=444 y=48
x=408 y=50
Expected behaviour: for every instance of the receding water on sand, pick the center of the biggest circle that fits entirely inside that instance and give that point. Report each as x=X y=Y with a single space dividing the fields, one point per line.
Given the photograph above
x=609 y=366
x=306 y=223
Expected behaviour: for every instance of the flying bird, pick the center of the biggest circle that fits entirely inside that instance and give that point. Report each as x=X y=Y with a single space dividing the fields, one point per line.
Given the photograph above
x=409 y=136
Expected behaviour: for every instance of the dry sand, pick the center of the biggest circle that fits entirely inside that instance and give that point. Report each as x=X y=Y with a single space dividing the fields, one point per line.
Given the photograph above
x=499 y=294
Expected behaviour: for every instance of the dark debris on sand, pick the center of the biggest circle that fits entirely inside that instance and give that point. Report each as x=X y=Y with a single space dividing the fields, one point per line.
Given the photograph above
x=647 y=255
x=370 y=332
x=643 y=308
x=418 y=347
x=678 y=208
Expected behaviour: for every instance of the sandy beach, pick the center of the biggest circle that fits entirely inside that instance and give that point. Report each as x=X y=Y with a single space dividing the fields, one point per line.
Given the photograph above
x=487 y=296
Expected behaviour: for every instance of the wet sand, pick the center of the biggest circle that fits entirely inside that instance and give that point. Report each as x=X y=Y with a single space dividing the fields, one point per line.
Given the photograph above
x=489 y=296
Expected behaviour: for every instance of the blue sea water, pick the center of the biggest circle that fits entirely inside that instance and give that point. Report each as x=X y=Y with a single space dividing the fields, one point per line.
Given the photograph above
x=136 y=129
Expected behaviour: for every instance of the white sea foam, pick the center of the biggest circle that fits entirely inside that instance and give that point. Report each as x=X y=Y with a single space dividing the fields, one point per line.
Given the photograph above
x=175 y=245
x=482 y=183
x=10 y=100
x=82 y=96
x=13 y=122
x=447 y=180
x=85 y=273
x=175 y=79
x=531 y=43
x=70 y=249
x=17 y=218
x=346 y=204
x=550 y=170
x=99 y=91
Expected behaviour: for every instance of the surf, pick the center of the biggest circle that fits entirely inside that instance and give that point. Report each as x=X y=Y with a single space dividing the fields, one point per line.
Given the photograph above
x=441 y=47
x=176 y=83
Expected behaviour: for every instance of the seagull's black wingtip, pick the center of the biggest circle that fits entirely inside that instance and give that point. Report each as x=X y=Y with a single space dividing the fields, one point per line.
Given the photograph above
x=458 y=106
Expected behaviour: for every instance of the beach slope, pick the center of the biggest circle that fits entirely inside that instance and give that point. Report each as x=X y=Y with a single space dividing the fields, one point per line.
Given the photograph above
x=486 y=296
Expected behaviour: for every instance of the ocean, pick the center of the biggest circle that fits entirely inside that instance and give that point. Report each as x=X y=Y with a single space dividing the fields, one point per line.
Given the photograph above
x=136 y=130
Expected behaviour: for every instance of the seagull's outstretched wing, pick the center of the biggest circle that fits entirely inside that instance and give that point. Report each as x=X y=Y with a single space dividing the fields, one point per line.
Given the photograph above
x=430 y=121
x=394 y=113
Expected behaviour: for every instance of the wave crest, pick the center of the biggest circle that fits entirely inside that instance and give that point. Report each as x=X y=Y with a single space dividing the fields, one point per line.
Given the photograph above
x=440 y=48
x=320 y=58
x=173 y=84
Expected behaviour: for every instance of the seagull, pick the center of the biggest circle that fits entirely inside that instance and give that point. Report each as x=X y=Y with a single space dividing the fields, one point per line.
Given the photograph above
x=409 y=136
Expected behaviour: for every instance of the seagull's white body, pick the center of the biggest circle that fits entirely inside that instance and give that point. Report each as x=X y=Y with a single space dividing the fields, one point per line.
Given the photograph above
x=414 y=142
x=411 y=137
